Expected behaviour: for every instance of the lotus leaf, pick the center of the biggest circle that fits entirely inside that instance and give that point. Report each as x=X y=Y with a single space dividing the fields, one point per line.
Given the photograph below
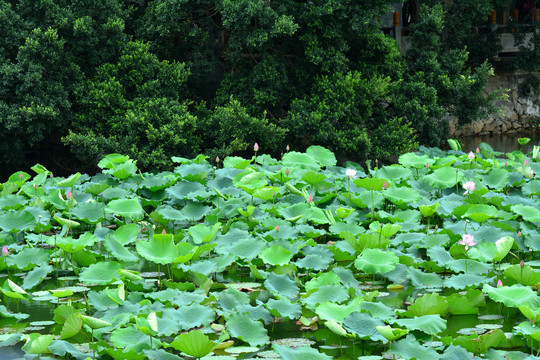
x=364 y=326
x=129 y=208
x=513 y=296
x=429 y=304
x=102 y=273
x=242 y=326
x=374 y=261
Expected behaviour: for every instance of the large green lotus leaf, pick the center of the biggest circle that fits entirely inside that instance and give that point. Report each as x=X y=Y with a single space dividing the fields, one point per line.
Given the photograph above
x=526 y=328
x=374 y=261
x=429 y=304
x=284 y=308
x=463 y=281
x=37 y=343
x=97 y=188
x=187 y=190
x=375 y=184
x=303 y=352
x=430 y=324
x=439 y=254
x=443 y=178
x=246 y=247
x=122 y=171
x=36 y=276
x=8 y=314
x=70 y=181
x=525 y=275
x=466 y=304
x=62 y=348
x=195 y=211
x=401 y=196
x=158 y=182
x=102 y=273
x=243 y=327
x=12 y=201
x=28 y=258
x=110 y=161
x=420 y=279
x=513 y=296
x=468 y=266
x=90 y=212
x=528 y=213
x=391 y=334
x=480 y=344
x=378 y=310
x=160 y=248
x=322 y=155
x=364 y=326
x=282 y=285
x=503 y=246
x=415 y=161
x=130 y=338
x=188 y=317
x=322 y=279
x=70 y=245
x=365 y=241
x=313 y=178
x=201 y=233
x=329 y=310
x=129 y=208
x=394 y=172
x=117 y=250
x=496 y=178
x=333 y=292
x=72 y=326
x=295 y=160
x=481 y=212
x=161 y=354
x=17 y=220
x=276 y=255
x=170 y=213
x=313 y=262
x=531 y=187
x=194 y=343
x=250 y=180
x=236 y=162
x=127 y=233
x=266 y=193
x=410 y=348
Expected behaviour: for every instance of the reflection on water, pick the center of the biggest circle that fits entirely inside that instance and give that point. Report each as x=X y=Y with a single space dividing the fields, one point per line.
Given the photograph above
x=503 y=143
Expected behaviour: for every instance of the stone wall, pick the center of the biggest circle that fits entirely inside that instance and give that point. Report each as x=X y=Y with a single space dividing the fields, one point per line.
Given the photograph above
x=520 y=113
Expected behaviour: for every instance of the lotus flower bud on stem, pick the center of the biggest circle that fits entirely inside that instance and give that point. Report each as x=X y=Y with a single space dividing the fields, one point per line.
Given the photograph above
x=5 y=251
x=522 y=263
x=256 y=147
x=525 y=163
x=310 y=199
x=427 y=165
x=506 y=164
x=385 y=185
x=21 y=176
x=477 y=150
x=217 y=159
x=287 y=171
x=519 y=233
x=164 y=232
x=471 y=156
x=531 y=175
x=287 y=147
x=499 y=283
x=69 y=195
x=277 y=228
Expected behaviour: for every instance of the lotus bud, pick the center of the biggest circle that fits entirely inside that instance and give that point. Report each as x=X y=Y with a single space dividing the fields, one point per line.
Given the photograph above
x=427 y=165
x=522 y=263
x=499 y=283
x=51 y=175
x=21 y=176
x=531 y=175
x=310 y=199
x=385 y=186
x=217 y=159
x=519 y=233
x=274 y=194
x=471 y=156
x=69 y=195
x=256 y=147
x=287 y=148
x=35 y=186
x=506 y=164
x=477 y=150
x=5 y=251
x=437 y=227
x=277 y=228
x=526 y=162
x=164 y=232
x=287 y=171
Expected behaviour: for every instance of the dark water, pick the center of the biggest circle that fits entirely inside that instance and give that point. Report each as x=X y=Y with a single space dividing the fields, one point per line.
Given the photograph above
x=503 y=143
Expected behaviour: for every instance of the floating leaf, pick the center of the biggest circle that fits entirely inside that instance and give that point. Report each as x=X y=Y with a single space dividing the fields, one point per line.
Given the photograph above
x=374 y=261
x=430 y=324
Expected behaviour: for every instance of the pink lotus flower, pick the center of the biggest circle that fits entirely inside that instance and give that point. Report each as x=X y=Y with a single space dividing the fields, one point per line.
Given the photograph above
x=506 y=164
x=69 y=195
x=469 y=186
x=471 y=156
x=467 y=240
x=499 y=283
x=164 y=232
x=525 y=163
x=351 y=173
x=310 y=199
x=385 y=185
x=5 y=251
x=256 y=147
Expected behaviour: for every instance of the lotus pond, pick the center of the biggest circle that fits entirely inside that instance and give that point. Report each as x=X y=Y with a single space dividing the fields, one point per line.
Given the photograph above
x=432 y=258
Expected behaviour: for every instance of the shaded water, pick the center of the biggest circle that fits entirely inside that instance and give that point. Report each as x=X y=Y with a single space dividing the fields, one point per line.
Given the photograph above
x=504 y=143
